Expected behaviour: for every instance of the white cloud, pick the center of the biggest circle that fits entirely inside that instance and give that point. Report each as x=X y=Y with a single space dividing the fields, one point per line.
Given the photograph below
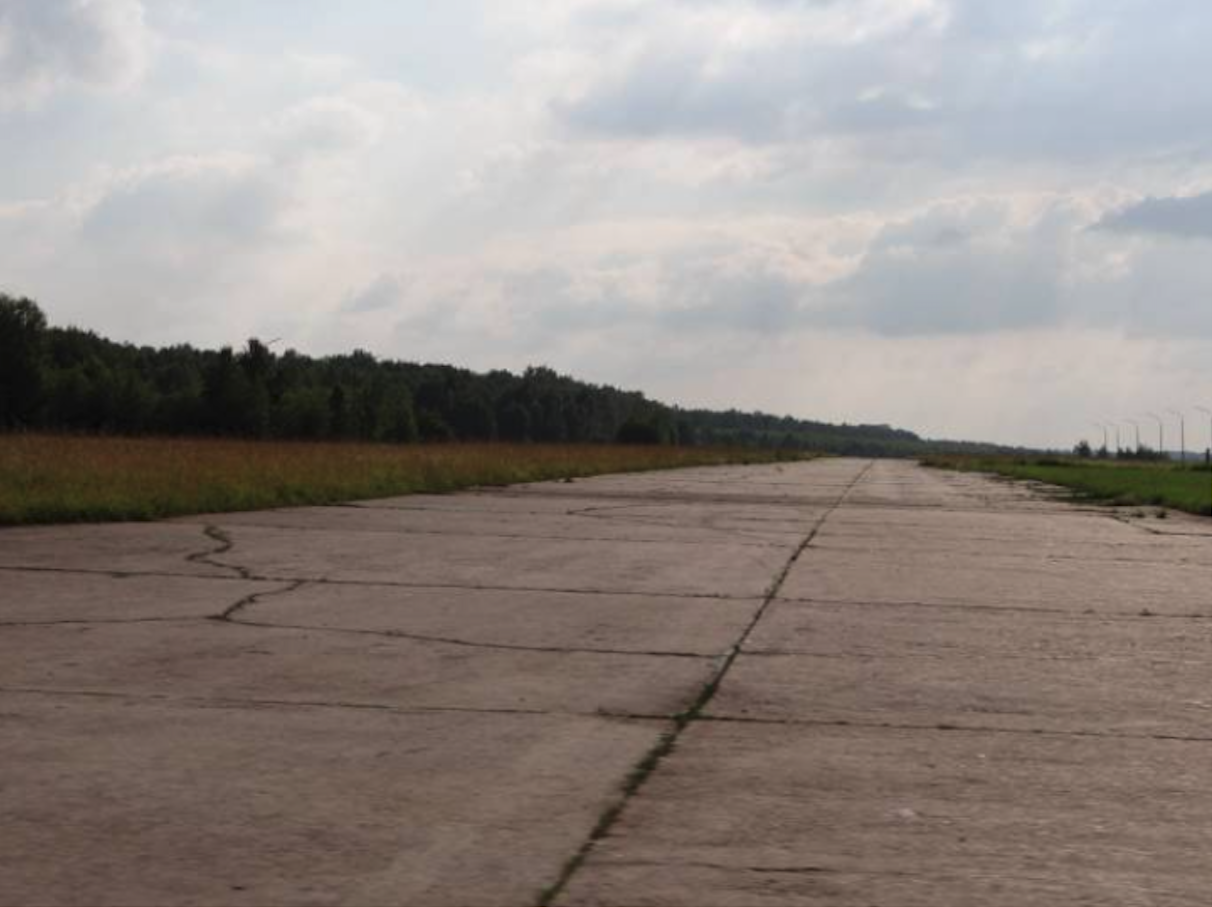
x=195 y=207
x=325 y=125
x=46 y=45
x=841 y=209
x=951 y=83
x=1186 y=216
x=384 y=292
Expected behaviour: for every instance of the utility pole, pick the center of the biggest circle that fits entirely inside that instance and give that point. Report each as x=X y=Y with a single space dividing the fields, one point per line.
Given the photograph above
x=1208 y=413
x=1182 y=435
x=1135 y=425
x=1161 y=433
x=1104 y=428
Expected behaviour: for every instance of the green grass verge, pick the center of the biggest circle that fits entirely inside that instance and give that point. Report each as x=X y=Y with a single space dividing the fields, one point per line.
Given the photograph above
x=55 y=479
x=1187 y=488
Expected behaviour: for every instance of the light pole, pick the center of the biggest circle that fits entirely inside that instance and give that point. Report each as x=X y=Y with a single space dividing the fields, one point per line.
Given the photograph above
x=1182 y=435
x=1103 y=426
x=1207 y=412
x=1118 y=446
x=1135 y=425
x=1161 y=433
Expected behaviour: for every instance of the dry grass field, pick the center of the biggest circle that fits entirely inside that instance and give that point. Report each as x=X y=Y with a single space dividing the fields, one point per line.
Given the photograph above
x=55 y=478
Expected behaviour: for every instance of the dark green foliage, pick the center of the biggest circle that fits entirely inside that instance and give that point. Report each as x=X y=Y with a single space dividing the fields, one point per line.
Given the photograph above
x=1142 y=455
x=633 y=431
x=22 y=330
x=514 y=421
x=472 y=416
x=304 y=414
x=433 y=428
x=69 y=379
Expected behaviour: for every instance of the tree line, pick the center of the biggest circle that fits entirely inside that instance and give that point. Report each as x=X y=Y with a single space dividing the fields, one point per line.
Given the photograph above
x=68 y=379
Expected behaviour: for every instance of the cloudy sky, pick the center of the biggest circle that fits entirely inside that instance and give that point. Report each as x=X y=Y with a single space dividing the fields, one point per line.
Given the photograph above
x=972 y=218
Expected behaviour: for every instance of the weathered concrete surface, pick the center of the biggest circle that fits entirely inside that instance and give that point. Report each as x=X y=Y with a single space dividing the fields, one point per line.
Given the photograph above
x=962 y=693
x=780 y=814
x=135 y=800
x=904 y=687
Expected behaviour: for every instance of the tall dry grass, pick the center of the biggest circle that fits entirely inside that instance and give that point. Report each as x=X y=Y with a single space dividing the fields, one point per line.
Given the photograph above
x=55 y=478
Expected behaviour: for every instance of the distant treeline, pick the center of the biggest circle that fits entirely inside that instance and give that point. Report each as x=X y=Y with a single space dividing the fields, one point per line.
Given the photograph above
x=67 y=379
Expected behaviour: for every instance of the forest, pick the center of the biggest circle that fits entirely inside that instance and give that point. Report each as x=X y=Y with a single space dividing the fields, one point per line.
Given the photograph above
x=65 y=379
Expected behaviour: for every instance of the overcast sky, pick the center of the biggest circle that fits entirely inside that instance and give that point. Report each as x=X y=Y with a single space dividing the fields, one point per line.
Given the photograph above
x=971 y=218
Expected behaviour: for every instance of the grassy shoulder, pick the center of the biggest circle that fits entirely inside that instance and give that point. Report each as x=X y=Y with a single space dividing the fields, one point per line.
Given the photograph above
x=56 y=479
x=1187 y=488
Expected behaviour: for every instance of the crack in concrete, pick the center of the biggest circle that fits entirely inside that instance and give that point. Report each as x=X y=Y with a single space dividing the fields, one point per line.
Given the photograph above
x=904 y=553
x=101 y=622
x=661 y=497
x=385 y=584
x=248 y=702
x=945 y=727
x=867 y=657
x=472 y=587
x=452 y=641
x=210 y=555
x=989 y=507
x=406 y=530
x=1014 y=570
x=1013 y=609
x=228 y=614
x=417 y=508
x=722 y=867
x=123 y=574
x=668 y=741
x=231 y=614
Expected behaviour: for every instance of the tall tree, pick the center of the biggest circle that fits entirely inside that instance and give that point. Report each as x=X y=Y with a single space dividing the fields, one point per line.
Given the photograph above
x=22 y=327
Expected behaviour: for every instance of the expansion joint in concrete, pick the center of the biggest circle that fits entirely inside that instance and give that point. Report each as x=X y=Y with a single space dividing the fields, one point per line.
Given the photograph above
x=947 y=728
x=383 y=584
x=444 y=640
x=667 y=742
x=262 y=703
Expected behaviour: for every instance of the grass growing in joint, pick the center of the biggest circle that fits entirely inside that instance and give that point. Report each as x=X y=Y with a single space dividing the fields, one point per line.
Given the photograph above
x=1182 y=487
x=55 y=478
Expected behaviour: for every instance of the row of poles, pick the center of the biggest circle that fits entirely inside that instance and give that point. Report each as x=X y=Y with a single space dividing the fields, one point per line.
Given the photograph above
x=1109 y=428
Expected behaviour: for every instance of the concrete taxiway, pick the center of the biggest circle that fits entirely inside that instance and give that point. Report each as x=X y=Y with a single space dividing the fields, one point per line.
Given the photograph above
x=833 y=682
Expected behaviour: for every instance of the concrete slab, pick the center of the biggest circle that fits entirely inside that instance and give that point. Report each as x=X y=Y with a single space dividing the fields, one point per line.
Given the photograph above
x=778 y=523
x=896 y=543
x=116 y=802
x=558 y=621
x=761 y=522
x=746 y=814
x=227 y=662
x=31 y=597
x=1115 y=587
x=116 y=548
x=865 y=631
x=705 y=569
x=986 y=522
x=1125 y=696
x=607 y=524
